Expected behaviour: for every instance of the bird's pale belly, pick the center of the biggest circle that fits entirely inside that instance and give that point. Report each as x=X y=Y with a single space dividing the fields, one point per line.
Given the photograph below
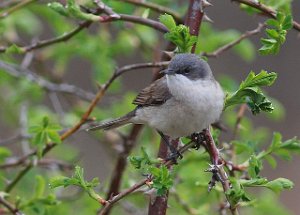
x=177 y=120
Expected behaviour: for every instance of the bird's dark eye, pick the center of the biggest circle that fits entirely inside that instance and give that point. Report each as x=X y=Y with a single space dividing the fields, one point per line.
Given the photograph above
x=186 y=71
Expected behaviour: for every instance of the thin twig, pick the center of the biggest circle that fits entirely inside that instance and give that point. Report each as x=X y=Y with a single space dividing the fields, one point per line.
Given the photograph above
x=113 y=200
x=230 y=45
x=19 y=72
x=44 y=43
x=12 y=139
x=110 y=18
x=156 y=7
x=268 y=11
x=10 y=207
x=239 y=118
x=14 y=8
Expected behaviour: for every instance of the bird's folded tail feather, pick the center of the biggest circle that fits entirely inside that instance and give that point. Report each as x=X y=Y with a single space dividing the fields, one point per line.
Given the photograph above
x=115 y=123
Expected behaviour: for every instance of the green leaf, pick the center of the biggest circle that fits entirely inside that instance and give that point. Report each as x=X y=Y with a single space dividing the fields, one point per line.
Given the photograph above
x=40 y=186
x=168 y=21
x=72 y=10
x=14 y=49
x=59 y=8
x=179 y=35
x=54 y=136
x=273 y=22
x=250 y=93
x=40 y=138
x=271 y=160
x=276 y=141
x=4 y=153
x=287 y=23
x=277 y=35
x=236 y=193
x=255 y=165
x=280 y=184
x=162 y=180
x=253 y=182
x=63 y=181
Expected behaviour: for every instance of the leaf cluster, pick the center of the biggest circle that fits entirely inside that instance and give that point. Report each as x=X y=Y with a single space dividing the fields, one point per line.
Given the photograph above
x=249 y=92
x=77 y=180
x=44 y=133
x=178 y=34
x=277 y=34
x=162 y=179
x=72 y=10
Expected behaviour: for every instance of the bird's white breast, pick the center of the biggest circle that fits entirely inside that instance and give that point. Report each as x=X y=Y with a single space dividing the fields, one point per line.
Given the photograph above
x=194 y=106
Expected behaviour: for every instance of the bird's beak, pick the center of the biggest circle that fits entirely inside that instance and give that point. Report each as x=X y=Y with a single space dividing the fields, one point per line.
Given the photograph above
x=167 y=72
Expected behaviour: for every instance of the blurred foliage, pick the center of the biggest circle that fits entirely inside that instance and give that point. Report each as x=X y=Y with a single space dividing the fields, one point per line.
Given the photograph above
x=99 y=48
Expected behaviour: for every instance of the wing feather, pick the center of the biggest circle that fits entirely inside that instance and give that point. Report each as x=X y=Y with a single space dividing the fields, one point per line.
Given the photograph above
x=155 y=94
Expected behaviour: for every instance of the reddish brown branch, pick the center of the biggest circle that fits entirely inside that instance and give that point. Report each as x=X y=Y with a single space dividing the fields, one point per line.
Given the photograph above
x=216 y=168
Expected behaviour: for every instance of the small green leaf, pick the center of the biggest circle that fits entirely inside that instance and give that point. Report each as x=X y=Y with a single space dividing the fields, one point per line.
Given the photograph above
x=255 y=165
x=271 y=160
x=287 y=23
x=54 y=136
x=273 y=22
x=279 y=184
x=168 y=21
x=40 y=186
x=162 y=180
x=276 y=141
x=14 y=49
x=4 y=153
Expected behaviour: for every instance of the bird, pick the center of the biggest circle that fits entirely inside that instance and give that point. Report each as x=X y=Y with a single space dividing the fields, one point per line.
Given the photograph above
x=186 y=100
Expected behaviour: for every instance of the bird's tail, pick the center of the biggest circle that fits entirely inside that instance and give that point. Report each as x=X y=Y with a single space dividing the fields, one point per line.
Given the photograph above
x=115 y=123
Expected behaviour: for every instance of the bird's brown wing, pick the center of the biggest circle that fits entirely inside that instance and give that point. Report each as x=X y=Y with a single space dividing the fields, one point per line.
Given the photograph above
x=155 y=94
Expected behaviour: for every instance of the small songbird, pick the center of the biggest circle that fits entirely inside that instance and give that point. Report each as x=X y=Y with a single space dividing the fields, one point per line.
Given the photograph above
x=184 y=101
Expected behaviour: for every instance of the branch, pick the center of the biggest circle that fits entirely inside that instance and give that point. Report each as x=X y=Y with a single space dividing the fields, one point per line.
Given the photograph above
x=156 y=7
x=216 y=168
x=43 y=43
x=10 y=207
x=267 y=11
x=230 y=45
x=128 y=144
x=113 y=200
x=112 y=16
x=19 y=72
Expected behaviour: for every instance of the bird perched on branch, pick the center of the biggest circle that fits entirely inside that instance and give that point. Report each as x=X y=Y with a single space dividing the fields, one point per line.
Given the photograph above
x=186 y=100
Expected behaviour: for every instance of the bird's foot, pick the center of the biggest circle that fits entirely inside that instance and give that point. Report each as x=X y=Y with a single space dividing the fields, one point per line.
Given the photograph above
x=174 y=155
x=198 y=138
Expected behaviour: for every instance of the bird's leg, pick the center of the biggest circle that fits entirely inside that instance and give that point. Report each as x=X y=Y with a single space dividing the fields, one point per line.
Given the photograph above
x=174 y=152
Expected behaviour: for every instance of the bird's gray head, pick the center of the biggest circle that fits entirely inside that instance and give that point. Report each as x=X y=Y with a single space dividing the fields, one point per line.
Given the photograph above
x=189 y=65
